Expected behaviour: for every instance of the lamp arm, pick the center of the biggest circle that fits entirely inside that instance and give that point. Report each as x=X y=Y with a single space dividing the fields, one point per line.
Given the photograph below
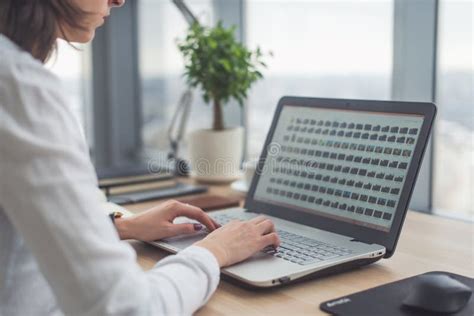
x=188 y=98
x=186 y=12
x=179 y=121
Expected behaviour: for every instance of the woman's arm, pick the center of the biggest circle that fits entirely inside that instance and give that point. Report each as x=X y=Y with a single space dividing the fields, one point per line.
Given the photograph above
x=158 y=222
x=230 y=244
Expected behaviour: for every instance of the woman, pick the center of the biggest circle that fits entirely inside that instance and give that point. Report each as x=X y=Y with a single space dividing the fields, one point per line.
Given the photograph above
x=58 y=255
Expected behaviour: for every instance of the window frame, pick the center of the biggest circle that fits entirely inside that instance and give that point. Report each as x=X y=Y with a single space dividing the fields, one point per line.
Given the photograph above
x=414 y=75
x=116 y=90
x=232 y=12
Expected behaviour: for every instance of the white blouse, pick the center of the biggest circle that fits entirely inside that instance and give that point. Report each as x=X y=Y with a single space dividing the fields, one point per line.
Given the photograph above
x=59 y=253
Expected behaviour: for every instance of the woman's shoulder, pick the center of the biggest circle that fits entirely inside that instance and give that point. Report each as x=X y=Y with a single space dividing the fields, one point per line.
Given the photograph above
x=31 y=96
x=24 y=70
x=20 y=68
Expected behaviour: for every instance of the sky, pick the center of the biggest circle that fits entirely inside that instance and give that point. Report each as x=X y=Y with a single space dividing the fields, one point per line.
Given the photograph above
x=456 y=35
x=323 y=37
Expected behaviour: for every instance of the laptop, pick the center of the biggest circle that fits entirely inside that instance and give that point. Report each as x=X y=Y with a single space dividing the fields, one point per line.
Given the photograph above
x=335 y=176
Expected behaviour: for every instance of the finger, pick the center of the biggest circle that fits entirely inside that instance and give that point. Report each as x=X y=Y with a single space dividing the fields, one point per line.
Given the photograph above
x=258 y=219
x=270 y=240
x=195 y=213
x=266 y=227
x=216 y=223
x=182 y=229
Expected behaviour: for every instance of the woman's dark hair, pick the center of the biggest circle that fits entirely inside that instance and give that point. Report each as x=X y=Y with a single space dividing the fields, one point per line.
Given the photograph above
x=34 y=25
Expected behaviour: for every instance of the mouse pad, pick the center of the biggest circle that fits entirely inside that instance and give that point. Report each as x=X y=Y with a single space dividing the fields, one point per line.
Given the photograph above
x=387 y=300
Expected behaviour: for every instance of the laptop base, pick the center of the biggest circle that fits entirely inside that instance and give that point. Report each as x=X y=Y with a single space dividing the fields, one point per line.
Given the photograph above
x=282 y=282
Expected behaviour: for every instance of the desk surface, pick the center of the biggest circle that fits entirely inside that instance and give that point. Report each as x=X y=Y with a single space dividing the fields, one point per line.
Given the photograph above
x=427 y=243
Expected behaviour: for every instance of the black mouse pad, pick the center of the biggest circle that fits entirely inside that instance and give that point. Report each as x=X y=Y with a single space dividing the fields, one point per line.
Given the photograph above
x=387 y=300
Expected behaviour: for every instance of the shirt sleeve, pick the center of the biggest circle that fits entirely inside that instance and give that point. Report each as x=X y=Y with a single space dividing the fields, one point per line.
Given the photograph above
x=48 y=190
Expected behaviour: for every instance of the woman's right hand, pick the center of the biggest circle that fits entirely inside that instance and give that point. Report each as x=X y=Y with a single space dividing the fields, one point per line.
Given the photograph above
x=236 y=241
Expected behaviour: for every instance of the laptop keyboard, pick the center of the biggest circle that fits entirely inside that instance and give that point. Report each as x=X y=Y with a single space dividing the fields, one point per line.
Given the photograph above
x=303 y=250
x=295 y=248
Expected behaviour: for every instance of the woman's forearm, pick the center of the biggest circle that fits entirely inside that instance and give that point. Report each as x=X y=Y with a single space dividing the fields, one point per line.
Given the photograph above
x=124 y=228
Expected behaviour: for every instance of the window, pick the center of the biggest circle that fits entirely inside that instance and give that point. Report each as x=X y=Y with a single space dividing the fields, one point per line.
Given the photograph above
x=454 y=134
x=161 y=68
x=337 y=49
x=69 y=65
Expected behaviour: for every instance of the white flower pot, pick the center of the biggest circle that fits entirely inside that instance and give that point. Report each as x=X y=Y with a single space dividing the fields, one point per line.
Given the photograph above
x=215 y=156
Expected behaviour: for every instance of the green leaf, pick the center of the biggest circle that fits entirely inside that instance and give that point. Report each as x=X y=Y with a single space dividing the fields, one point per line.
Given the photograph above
x=218 y=64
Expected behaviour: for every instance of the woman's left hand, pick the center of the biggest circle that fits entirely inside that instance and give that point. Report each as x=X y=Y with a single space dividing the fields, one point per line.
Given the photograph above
x=157 y=222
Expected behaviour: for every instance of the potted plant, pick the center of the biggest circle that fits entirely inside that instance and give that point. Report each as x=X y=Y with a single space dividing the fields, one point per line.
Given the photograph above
x=223 y=69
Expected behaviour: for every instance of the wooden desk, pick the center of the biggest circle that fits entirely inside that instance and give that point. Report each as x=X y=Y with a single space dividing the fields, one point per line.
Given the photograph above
x=427 y=243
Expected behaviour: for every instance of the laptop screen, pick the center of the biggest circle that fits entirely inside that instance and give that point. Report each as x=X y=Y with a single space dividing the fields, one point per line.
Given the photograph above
x=343 y=164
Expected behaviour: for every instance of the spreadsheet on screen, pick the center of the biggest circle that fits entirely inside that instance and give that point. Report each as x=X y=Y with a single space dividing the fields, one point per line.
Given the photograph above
x=343 y=164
